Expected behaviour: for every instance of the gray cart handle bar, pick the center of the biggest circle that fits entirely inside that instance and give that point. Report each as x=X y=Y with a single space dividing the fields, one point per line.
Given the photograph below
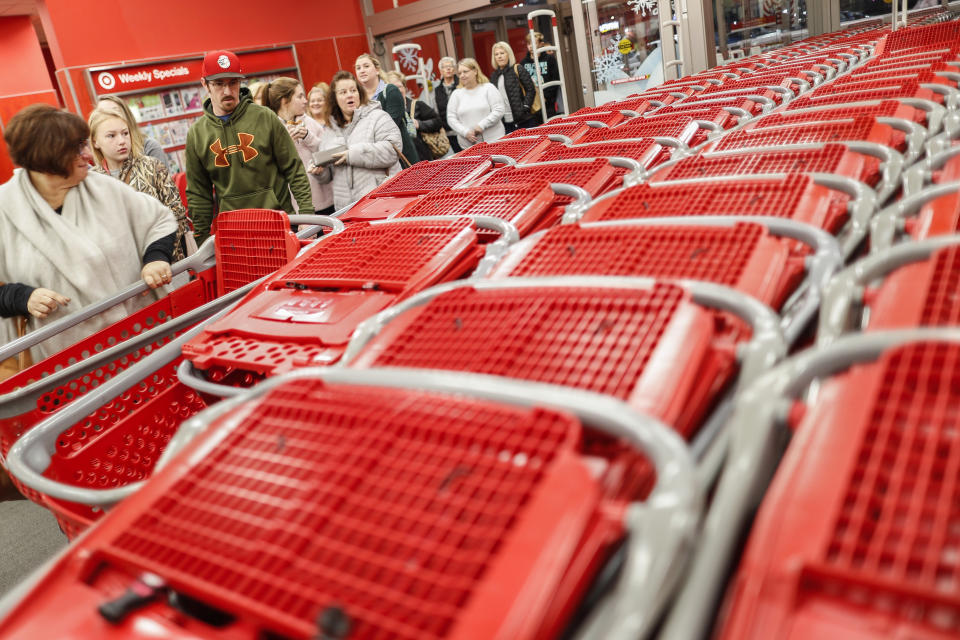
x=752 y=459
x=24 y=399
x=848 y=285
x=634 y=168
x=888 y=221
x=30 y=455
x=917 y=176
x=663 y=527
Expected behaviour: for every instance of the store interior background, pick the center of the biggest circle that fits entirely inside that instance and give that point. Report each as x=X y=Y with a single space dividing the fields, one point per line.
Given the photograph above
x=49 y=46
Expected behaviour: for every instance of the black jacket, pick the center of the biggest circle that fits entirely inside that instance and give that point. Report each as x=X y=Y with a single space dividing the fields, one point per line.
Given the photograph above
x=429 y=123
x=391 y=100
x=520 y=100
x=550 y=72
x=442 y=94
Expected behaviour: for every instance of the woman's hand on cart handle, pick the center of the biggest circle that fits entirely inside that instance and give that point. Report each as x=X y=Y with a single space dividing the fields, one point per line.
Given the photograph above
x=43 y=302
x=156 y=273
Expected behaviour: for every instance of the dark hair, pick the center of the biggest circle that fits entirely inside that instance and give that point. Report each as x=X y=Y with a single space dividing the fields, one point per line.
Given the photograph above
x=45 y=139
x=277 y=91
x=330 y=107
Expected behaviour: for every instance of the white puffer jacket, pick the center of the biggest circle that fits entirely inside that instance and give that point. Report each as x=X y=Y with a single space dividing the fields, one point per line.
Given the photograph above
x=372 y=140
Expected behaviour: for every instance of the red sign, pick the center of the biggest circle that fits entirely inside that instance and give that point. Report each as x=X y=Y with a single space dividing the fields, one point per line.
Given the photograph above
x=632 y=79
x=164 y=74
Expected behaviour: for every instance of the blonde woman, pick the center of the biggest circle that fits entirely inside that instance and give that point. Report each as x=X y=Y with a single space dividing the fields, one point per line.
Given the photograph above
x=516 y=88
x=316 y=99
x=141 y=143
x=114 y=154
x=285 y=97
x=374 y=82
x=475 y=109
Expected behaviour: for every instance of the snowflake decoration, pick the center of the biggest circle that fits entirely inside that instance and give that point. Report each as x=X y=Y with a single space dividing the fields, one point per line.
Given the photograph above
x=644 y=6
x=608 y=67
x=409 y=59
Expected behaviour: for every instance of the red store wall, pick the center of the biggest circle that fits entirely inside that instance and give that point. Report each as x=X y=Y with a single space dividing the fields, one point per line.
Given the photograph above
x=327 y=35
x=24 y=83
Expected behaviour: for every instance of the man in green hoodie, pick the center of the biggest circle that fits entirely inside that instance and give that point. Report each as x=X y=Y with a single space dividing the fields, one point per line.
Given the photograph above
x=239 y=150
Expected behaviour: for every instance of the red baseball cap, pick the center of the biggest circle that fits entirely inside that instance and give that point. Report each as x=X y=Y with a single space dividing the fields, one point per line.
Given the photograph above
x=221 y=64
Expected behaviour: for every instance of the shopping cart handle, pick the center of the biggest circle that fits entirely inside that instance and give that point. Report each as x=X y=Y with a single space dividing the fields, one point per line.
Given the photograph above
x=190 y=377
x=849 y=284
x=323 y=221
x=916 y=177
x=30 y=455
x=887 y=222
x=581 y=199
x=202 y=259
x=500 y=159
x=24 y=399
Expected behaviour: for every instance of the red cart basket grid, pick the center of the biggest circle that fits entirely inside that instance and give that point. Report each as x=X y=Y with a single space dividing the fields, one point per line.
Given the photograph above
x=509 y=510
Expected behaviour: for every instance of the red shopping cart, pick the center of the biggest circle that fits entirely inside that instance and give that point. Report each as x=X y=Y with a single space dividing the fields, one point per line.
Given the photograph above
x=304 y=314
x=874 y=558
x=415 y=182
x=525 y=149
x=930 y=212
x=372 y=504
x=595 y=177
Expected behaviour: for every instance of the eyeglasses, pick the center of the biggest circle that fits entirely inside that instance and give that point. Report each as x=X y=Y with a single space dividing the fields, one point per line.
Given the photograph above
x=220 y=84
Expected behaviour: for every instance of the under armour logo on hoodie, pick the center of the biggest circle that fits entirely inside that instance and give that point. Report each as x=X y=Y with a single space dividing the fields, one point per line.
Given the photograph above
x=245 y=148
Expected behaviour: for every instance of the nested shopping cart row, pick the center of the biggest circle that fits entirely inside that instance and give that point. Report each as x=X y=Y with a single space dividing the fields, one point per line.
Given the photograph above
x=504 y=421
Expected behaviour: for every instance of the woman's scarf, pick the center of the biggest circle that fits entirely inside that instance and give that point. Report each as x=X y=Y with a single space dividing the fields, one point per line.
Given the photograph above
x=90 y=251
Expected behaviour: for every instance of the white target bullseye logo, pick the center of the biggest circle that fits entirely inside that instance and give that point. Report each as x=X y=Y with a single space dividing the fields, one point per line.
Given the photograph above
x=106 y=80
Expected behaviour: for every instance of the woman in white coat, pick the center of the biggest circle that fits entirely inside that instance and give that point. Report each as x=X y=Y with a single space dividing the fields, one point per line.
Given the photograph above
x=475 y=108
x=369 y=134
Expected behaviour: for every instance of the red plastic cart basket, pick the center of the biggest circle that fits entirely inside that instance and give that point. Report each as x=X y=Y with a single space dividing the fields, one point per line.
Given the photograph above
x=595 y=177
x=523 y=205
x=756 y=256
x=305 y=313
x=822 y=201
x=857 y=534
x=395 y=504
x=525 y=149
x=656 y=345
x=414 y=182
x=875 y=165
x=688 y=130
x=571 y=130
x=648 y=152
x=904 y=136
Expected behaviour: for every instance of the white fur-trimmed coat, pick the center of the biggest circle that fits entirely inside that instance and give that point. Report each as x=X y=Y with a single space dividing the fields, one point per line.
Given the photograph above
x=372 y=140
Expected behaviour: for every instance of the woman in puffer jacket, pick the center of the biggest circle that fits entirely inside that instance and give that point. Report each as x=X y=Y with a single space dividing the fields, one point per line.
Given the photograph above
x=369 y=134
x=515 y=86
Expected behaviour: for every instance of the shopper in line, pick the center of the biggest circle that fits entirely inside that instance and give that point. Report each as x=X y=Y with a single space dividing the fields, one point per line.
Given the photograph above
x=141 y=143
x=241 y=149
x=315 y=99
x=516 y=89
x=285 y=97
x=114 y=155
x=68 y=237
x=369 y=136
x=448 y=82
x=549 y=71
x=371 y=76
x=425 y=120
x=475 y=108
